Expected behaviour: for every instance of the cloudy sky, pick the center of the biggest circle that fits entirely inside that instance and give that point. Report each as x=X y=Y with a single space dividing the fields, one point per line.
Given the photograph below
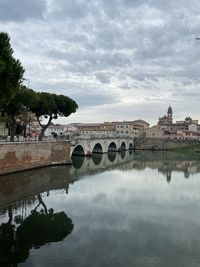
x=119 y=59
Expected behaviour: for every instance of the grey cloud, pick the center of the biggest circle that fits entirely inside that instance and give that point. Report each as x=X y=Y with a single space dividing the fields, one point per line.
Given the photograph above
x=119 y=45
x=188 y=93
x=20 y=10
x=69 y=9
x=86 y=61
x=88 y=100
x=103 y=78
x=86 y=96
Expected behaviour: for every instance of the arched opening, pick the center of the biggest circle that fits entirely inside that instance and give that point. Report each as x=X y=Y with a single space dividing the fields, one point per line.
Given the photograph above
x=123 y=146
x=97 y=149
x=130 y=146
x=112 y=147
x=78 y=151
x=97 y=158
x=111 y=156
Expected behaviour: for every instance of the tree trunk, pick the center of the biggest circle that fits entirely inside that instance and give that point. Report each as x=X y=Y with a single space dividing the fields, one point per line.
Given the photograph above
x=41 y=202
x=41 y=135
x=13 y=126
x=44 y=127
x=10 y=215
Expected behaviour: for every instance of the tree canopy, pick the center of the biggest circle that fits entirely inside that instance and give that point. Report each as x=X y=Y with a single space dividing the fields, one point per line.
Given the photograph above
x=11 y=71
x=16 y=99
x=51 y=106
x=18 y=105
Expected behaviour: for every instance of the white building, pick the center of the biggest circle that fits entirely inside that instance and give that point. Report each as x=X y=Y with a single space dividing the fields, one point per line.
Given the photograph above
x=54 y=129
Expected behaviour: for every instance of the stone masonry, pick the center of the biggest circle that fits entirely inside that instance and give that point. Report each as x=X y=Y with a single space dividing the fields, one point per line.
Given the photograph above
x=22 y=156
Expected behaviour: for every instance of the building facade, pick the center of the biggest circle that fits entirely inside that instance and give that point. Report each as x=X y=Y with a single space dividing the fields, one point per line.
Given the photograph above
x=187 y=128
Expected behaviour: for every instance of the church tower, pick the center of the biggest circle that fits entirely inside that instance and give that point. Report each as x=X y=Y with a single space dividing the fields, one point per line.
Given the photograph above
x=166 y=119
x=169 y=114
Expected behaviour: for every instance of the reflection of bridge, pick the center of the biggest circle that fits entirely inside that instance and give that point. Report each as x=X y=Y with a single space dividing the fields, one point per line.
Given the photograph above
x=19 y=187
x=87 y=147
x=86 y=166
x=15 y=189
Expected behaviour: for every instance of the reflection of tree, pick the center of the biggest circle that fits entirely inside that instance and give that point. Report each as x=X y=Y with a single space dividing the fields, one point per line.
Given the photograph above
x=39 y=228
x=41 y=202
x=7 y=242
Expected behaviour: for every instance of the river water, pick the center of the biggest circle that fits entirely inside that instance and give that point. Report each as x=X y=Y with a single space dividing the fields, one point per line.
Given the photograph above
x=121 y=209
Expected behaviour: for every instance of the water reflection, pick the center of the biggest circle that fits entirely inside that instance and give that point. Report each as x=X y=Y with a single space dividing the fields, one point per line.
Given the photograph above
x=123 y=154
x=165 y=162
x=97 y=158
x=77 y=161
x=27 y=222
x=20 y=235
x=16 y=188
x=111 y=156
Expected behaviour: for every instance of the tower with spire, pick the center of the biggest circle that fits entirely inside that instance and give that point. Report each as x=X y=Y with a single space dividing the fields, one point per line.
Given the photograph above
x=169 y=114
x=166 y=119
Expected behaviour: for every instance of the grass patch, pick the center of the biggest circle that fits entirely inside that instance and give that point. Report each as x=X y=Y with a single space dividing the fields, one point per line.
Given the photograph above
x=192 y=149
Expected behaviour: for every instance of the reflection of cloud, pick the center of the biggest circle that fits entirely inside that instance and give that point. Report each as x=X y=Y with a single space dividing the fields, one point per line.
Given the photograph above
x=128 y=217
x=145 y=223
x=99 y=198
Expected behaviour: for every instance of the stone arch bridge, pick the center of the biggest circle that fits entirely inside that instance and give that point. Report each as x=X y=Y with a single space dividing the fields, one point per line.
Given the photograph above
x=86 y=147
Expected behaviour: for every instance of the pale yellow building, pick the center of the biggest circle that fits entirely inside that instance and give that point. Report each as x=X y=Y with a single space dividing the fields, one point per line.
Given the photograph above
x=154 y=132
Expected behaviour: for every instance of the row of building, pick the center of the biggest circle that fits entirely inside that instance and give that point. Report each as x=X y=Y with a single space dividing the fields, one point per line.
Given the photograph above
x=165 y=128
x=98 y=130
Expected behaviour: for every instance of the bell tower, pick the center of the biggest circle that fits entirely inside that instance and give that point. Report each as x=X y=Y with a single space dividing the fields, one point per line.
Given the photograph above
x=169 y=113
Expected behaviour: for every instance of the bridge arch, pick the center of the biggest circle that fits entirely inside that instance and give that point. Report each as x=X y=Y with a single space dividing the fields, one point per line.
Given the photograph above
x=97 y=148
x=78 y=151
x=112 y=147
x=130 y=146
x=123 y=146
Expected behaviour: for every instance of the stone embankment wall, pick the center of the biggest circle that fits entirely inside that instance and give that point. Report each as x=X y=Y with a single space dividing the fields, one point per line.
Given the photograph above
x=22 y=156
x=161 y=143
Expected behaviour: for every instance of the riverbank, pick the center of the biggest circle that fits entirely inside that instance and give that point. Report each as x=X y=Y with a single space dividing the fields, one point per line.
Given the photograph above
x=189 y=150
x=16 y=156
x=147 y=143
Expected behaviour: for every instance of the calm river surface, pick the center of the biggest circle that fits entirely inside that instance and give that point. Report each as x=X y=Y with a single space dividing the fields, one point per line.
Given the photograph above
x=128 y=209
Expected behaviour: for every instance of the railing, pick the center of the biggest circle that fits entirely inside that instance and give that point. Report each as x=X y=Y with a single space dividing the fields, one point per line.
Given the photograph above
x=94 y=137
x=20 y=139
